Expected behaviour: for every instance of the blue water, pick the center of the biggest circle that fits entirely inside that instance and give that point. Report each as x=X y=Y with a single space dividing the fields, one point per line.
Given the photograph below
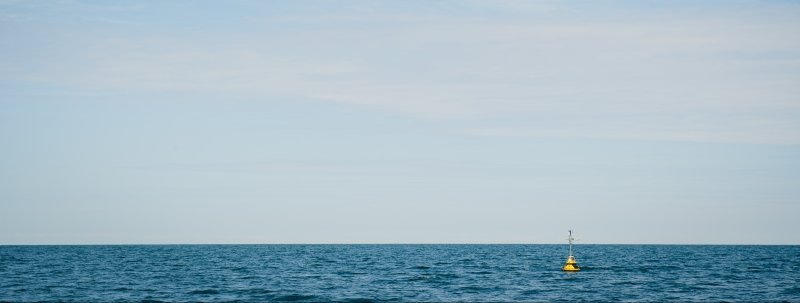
x=398 y=273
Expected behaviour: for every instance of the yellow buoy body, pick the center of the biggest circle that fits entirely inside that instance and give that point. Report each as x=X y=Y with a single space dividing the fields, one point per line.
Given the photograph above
x=571 y=265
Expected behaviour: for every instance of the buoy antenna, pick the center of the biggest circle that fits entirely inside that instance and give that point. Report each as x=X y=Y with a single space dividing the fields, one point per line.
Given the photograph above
x=570 y=239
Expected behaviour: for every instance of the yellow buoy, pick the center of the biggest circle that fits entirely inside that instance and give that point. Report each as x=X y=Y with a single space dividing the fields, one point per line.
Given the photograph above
x=571 y=264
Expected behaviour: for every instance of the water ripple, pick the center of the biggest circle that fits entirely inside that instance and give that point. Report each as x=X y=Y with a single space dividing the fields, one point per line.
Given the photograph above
x=390 y=273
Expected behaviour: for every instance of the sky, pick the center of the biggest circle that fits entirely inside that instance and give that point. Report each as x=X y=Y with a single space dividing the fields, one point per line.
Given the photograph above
x=148 y=122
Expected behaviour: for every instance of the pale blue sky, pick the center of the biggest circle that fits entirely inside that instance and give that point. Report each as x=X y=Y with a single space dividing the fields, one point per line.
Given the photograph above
x=399 y=121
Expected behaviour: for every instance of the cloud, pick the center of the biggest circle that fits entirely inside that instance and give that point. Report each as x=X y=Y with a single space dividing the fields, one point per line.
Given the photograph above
x=637 y=78
x=766 y=133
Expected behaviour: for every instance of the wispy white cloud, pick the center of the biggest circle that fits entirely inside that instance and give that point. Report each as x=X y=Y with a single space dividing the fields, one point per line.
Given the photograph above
x=636 y=78
x=766 y=132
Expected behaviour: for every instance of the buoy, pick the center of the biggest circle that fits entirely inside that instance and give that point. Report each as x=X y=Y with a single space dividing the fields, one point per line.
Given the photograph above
x=571 y=264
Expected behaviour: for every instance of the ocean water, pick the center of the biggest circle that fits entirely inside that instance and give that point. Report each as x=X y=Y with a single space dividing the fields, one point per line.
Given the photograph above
x=366 y=273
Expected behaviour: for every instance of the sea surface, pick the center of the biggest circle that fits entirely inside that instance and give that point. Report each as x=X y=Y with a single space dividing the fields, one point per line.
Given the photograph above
x=366 y=273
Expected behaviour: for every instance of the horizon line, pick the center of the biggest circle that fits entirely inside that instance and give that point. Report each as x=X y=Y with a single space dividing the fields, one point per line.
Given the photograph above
x=394 y=243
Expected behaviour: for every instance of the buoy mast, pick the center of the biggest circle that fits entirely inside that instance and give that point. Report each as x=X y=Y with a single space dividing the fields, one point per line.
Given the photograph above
x=571 y=264
x=570 y=239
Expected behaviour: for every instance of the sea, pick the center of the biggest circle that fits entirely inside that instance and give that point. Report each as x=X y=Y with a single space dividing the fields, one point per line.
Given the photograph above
x=398 y=273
